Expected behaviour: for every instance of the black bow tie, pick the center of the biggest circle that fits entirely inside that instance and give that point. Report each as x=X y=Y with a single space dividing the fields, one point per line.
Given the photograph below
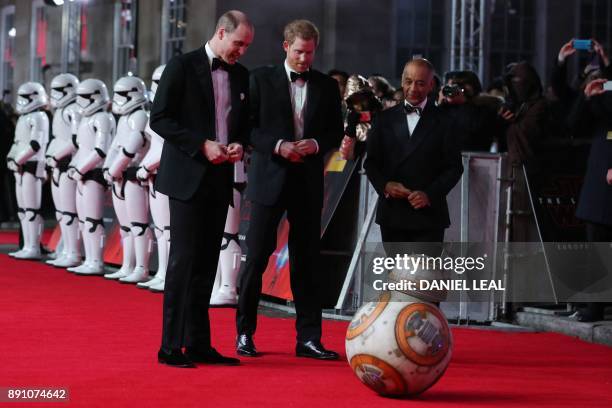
x=219 y=64
x=412 y=109
x=304 y=76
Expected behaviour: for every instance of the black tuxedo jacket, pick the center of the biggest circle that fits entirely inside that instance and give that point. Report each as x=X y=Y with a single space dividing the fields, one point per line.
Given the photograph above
x=183 y=114
x=595 y=202
x=272 y=120
x=429 y=160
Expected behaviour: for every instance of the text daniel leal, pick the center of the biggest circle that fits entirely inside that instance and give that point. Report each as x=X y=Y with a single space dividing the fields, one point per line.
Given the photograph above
x=440 y=284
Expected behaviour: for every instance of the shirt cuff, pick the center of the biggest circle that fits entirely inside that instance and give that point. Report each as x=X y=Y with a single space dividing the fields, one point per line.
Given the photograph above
x=277 y=148
x=315 y=141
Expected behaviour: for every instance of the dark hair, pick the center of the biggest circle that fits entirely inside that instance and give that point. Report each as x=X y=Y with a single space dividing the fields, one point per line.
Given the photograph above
x=465 y=78
x=338 y=72
x=496 y=84
x=381 y=86
x=437 y=80
x=304 y=29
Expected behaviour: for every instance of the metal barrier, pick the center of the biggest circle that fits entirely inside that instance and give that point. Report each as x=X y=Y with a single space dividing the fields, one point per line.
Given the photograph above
x=480 y=212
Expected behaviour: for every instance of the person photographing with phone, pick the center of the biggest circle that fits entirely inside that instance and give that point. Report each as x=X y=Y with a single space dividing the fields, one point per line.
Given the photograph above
x=568 y=91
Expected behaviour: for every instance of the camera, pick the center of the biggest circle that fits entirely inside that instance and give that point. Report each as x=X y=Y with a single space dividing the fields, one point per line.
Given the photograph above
x=452 y=90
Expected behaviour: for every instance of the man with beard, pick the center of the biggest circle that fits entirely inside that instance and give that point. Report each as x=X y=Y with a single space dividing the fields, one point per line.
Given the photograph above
x=296 y=120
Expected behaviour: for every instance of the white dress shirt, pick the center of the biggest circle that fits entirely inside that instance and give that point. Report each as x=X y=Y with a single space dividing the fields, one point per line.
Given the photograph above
x=223 y=104
x=297 y=92
x=413 y=118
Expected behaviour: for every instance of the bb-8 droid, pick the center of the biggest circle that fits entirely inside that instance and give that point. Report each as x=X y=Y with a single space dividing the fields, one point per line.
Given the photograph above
x=398 y=346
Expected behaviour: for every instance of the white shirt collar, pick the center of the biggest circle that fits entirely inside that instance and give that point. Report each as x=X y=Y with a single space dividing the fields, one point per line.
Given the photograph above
x=288 y=70
x=420 y=105
x=209 y=53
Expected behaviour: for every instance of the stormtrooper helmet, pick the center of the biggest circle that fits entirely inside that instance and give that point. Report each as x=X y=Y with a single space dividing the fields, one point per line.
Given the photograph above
x=31 y=96
x=129 y=93
x=92 y=96
x=63 y=90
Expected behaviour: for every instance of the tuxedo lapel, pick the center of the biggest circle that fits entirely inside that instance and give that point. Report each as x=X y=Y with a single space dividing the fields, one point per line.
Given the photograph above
x=312 y=100
x=202 y=70
x=281 y=87
x=400 y=131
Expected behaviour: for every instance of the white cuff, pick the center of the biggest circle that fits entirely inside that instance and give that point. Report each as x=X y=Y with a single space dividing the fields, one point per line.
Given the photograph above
x=277 y=148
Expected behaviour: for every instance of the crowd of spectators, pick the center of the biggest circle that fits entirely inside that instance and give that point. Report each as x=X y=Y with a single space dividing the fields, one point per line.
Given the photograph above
x=514 y=114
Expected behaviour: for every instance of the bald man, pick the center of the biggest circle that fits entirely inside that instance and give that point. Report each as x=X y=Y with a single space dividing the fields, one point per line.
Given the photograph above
x=413 y=161
x=201 y=111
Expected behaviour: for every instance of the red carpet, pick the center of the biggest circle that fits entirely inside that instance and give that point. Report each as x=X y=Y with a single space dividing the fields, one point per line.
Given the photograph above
x=12 y=237
x=99 y=339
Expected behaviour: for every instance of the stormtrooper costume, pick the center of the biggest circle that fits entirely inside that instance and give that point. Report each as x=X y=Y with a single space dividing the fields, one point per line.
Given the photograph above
x=130 y=198
x=94 y=136
x=224 y=289
x=160 y=209
x=59 y=154
x=26 y=159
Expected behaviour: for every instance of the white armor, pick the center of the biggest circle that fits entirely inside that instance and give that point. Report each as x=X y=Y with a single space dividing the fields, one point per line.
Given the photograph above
x=94 y=136
x=160 y=208
x=26 y=159
x=59 y=154
x=130 y=198
x=224 y=289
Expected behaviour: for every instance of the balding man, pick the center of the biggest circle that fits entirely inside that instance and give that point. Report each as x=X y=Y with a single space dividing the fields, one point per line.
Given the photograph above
x=413 y=161
x=201 y=111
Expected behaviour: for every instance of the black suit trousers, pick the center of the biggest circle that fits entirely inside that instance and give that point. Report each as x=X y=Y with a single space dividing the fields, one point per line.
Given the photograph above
x=196 y=232
x=597 y=233
x=399 y=241
x=304 y=218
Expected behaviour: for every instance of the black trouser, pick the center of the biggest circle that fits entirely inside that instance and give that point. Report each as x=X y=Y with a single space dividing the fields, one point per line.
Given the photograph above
x=196 y=232
x=598 y=232
x=399 y=241
x=8 y=202
x=304 y=239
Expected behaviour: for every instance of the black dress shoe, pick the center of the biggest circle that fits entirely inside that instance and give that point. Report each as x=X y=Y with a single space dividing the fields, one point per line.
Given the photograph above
x=314 y=349
x=585 y=316
x=245 y=346
x=210 y=356
x=174 y=358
